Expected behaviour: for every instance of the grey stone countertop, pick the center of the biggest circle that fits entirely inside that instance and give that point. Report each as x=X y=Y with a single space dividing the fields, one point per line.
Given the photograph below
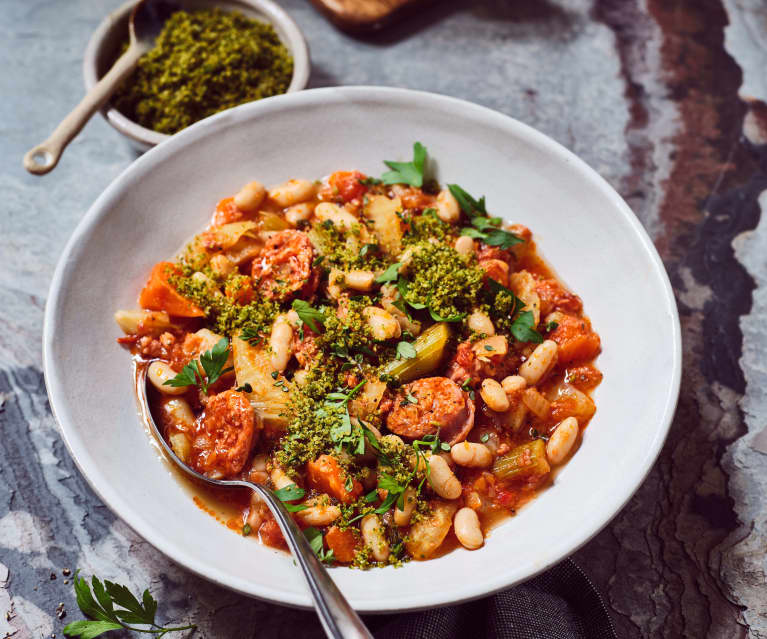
x=665 y=98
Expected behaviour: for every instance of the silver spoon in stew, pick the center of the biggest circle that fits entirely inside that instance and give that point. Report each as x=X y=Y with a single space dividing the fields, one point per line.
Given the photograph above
x=146 y=22
x=338 y=618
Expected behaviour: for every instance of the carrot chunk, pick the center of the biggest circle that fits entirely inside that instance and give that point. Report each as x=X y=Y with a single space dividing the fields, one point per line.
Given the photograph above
x=577 y=342
x=159 y=295
x=343 y=543
x=325 y=475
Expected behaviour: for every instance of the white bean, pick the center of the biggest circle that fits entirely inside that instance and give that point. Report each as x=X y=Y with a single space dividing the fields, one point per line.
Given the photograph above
x=540 y=362
x=341 y=218
x=319 y=513
x=494 y=396
x=129 y=321
x=179 y=414
x=562 y=440
x=471 y=455
x=372 y=536
x=159 y=373
x=402 y=517
x=464 y=245
x=480 y=323
x=383 y=325
x=181 y=445
x=359 y=280
x=448 y=209
x=299 y=213
x=467 y=529
x=250 y=196
x=513 y=383
x=292 y=192
x=280 y=343
x=222 y=265
x=442 y=479
x=279 y=478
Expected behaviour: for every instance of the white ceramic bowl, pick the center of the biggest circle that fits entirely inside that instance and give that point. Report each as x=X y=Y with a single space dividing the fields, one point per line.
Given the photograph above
x=583 y=227
x=105 y=43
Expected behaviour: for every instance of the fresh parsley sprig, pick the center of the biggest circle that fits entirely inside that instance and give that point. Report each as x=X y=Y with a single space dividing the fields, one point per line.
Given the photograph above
x=407 y=172
x=314 y=536
x=522 y=325
x=114 y=608
x=486 y=229
x=204 y=372
x=470 y=206
x=289 y=493
x=309 y=315
x=390 y=274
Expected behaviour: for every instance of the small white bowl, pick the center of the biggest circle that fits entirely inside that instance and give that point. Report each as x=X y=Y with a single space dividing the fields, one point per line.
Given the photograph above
x=105 y=43
x=582 y=225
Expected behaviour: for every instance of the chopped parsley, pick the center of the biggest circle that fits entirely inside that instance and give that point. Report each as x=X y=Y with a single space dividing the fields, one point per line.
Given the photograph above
x=205 y=371
x=407 y=172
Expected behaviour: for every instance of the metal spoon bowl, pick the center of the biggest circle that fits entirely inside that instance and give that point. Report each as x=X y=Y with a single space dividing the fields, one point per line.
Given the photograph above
x=146 y=22
x=338 y=618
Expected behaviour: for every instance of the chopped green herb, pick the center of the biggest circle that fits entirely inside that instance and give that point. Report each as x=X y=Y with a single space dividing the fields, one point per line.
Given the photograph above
x=246 y=530
x=522 y=328
x=212 y=362
x=405 y=350
x=308 y=314
x=551 y=326
x=390 y=274
x=407 y=172
x=469 y=205
x=485 y=437
x=245 y=388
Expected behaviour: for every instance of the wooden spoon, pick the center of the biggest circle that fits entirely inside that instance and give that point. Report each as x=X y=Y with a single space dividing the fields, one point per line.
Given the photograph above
x=146 y=22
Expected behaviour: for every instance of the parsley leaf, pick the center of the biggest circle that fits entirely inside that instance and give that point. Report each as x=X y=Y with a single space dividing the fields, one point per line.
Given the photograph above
x=522 y=328
x=452 y=318
x=469 y=205
x=291 y=492
x=402 y=285
x=485 y=229
x=310 y=316
x=250 y=336
x=315 y=541
x=551 y=326
x=405 y=350
x=407 y=172
x=104 y=616
x=390 y=274
x=212 y=362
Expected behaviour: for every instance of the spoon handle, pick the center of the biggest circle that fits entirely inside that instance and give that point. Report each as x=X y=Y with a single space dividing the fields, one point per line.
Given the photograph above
x=338 y=618
x=44 y=157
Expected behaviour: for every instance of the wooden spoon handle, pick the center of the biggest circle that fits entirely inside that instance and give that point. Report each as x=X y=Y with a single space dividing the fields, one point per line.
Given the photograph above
x=44 y=157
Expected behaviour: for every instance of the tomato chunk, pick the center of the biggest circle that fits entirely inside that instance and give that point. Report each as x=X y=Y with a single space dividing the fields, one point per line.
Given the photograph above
x=348 y=184
x=326 y=475
x=343 y=543
x=227 y=212
x=159 y=295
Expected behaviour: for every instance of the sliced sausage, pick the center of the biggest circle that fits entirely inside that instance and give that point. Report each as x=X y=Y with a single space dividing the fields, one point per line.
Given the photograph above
x=224 y=435
x=425 y=405
x=284 y=268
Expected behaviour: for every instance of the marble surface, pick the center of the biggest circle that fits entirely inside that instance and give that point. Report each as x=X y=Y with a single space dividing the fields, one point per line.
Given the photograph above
x=665 y=98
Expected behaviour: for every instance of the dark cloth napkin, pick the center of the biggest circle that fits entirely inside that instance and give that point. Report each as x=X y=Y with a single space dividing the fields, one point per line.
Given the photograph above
x=561 y=603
